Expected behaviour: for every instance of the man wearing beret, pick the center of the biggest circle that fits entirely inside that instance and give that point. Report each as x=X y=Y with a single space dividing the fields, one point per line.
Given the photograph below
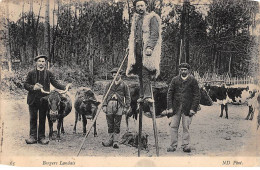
x=183 y=99
x=144 y=48
x=37 y=79
x=115 y=105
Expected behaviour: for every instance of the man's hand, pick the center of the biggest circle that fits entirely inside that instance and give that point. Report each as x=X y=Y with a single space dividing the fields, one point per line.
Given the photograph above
x=104 y=108
x=164 y=113
x=68 y=86
x=126 y=110
x=148 y=51
x=168 y=113
x=192 y=113
x=37 y=86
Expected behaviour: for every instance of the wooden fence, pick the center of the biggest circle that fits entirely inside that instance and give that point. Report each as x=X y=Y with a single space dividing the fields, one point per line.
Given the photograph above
x=214 y=79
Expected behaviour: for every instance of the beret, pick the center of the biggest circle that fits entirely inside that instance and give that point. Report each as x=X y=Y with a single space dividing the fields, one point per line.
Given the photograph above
x=40 y=56
x=184 y=65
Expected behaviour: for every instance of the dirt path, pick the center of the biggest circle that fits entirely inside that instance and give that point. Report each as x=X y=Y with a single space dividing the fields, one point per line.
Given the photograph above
x=210 y=134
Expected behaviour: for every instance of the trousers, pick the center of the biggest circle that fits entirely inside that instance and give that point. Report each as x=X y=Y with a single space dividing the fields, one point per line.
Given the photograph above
x=33 y=110
x=144 y=74
x=174 y=127
x=114 y=116
x=146 y=78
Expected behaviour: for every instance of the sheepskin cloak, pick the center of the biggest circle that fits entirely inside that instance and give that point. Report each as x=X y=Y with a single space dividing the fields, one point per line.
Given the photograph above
x=152 y=63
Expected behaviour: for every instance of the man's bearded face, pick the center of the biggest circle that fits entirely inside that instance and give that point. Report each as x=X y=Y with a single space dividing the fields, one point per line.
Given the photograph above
x=184 y=72
x=140 y=7
x=41 y=64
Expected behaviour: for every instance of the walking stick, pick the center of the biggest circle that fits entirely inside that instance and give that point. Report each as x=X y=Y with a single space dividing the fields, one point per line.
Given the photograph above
x=95 y=119
x=154 y=126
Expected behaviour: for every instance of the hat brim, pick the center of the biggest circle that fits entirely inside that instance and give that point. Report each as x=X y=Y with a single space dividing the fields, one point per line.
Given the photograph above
x=184 y=67
x=36 y=58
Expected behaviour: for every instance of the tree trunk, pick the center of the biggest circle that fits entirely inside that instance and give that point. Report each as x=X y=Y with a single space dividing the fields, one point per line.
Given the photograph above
x=91 y=58
x=220 y=65
x=36 y=30
x=179 y=51
x=91 y=68
x=129 y=16
x=53 y=35
x=23 y=55
x=214 y=58
x=182 y=32
x=187 y=33
x=32 y=27
x=47 y=30
x=8 y=44
x=229 y=65
x=111 y=46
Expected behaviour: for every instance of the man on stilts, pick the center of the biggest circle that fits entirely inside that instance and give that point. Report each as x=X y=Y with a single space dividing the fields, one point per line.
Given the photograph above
x=144 y=59
x=144 y=48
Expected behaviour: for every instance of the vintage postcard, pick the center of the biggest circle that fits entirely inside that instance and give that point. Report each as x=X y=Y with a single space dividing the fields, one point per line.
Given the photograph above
x=129 y=83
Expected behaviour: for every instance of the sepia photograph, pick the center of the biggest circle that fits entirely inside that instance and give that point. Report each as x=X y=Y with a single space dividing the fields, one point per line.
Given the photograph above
x=129 y=83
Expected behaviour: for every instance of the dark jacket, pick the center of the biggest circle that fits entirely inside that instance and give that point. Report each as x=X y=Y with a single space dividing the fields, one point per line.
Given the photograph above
x=185 y=93
x=31 y=80
x=121 y=91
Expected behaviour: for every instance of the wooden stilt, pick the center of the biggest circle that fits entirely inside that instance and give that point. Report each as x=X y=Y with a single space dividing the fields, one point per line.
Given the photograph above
x=140 y=114
x=154 y=126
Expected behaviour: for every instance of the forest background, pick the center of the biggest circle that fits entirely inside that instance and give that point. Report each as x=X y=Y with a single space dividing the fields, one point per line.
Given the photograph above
x=84 y=40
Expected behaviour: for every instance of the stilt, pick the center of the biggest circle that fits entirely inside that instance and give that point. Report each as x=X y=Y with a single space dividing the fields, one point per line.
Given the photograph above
x=140 y=129
x=140 y=114
x=154 y=126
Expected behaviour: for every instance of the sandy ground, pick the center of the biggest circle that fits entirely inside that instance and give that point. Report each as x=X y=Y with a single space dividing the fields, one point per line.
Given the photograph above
x=210 y=134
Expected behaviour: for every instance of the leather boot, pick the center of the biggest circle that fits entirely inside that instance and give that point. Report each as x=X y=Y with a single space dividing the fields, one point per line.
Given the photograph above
x=43 y=141
x=171 y=149
x=110 y=140
x=186 y=149
x=31 y=140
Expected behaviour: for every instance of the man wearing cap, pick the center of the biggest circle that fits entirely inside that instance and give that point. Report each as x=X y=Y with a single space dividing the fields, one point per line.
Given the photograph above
x=37 y=79
x=115 y=105
x=183 y=99
x=144 y=47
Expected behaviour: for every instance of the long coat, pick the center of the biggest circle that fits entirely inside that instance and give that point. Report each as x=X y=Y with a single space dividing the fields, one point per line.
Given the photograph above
x=152 y=63
x=31 y=80
x=185 y=93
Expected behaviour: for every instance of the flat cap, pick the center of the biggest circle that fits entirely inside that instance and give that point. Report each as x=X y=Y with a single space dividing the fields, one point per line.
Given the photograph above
x=145 y=1
x=40 y=56
x=114 y=70
x=184 y=65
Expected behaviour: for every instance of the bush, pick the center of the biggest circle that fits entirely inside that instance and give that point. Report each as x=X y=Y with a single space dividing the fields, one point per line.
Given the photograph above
x=78 y=76
x=13 y=82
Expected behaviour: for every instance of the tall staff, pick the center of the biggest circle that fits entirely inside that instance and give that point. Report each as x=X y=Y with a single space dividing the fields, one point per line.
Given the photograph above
x=95 y=118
